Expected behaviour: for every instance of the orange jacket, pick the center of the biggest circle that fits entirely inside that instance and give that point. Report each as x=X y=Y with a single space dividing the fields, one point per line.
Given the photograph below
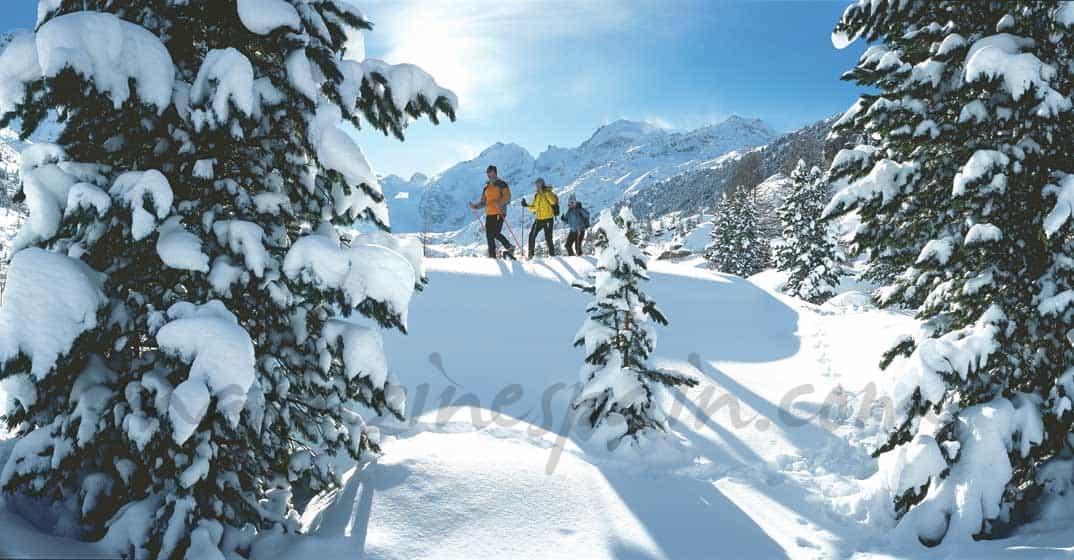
x=495 y=198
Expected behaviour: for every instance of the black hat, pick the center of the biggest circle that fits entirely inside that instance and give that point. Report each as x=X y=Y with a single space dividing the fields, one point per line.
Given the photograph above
x=490 y=168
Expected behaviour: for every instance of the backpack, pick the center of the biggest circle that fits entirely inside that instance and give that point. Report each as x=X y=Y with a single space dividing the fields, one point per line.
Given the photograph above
x=505 y=193
x=585 y=217
x=555 y=203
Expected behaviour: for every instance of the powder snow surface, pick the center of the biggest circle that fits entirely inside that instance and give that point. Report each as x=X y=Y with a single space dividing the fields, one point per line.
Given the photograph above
x=772 y=485
x=769 y=471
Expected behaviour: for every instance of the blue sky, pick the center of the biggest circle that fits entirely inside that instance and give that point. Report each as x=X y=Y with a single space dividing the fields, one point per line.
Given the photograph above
x=540 y=73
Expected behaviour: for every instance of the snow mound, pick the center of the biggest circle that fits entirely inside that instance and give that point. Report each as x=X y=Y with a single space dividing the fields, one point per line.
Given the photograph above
x=361 y=271
x=412 y=493
x=980 y=165
x=225 y=78
x=221 y=358
x=264 y=16
x=132 y=188
x=885 y=181
x=47 y=178
x=1064 y=204
x=49 y=300
x=405 y=82
x=101 y=47
x=850 y=301
x=18 y=65
x=999 y=56
x=336 y=150
x=959 y=353
x=363 y=350
x=244 y=238
x=957 y=504
x=180 y=249
x=84 y=196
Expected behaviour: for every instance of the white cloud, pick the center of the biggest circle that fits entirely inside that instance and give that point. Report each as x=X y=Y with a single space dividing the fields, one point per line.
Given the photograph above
x=482 y=49
x=453 y=153
x=659 y=122
x=467 y=151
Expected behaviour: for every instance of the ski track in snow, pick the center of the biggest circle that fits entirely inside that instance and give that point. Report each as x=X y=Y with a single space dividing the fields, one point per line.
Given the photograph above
x=480 y=468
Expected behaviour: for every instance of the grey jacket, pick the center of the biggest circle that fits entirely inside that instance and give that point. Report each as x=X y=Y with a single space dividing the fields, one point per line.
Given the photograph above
x=577 y=218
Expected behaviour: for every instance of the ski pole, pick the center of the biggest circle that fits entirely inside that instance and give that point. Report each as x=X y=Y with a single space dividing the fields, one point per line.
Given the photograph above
x=512 y=230
x=522 y=225
x=477 y=218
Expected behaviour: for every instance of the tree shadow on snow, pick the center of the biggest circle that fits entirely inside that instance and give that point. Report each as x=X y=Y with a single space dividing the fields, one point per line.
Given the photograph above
x=733 y=321
x=340 y=528
x=688 y=518
x=729 y=319
x=524 y=331
x=559 y=276
x=801 y=432
x=566 y=263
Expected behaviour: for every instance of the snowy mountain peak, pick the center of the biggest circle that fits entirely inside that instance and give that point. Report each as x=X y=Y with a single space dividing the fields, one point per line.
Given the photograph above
x=500 y=152
x=740 y=125
x=419 y=179
x=622 y=130
x=740 y=120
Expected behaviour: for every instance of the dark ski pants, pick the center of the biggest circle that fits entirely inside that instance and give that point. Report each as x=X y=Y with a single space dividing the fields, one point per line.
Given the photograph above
x=539 y=225
x=493 y=225
x=574 y=243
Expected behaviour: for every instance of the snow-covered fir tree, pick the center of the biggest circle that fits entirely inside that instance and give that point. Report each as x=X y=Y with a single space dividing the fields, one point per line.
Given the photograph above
x=806 y=249
x=965 y=190
x=186 y=339
x=620 y=393
x=736 y=245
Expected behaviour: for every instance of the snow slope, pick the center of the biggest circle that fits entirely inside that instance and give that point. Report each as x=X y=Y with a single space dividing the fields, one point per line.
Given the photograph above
x=489 y=465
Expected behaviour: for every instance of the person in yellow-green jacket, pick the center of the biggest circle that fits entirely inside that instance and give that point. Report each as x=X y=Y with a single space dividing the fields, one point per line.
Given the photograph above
x=545 y=207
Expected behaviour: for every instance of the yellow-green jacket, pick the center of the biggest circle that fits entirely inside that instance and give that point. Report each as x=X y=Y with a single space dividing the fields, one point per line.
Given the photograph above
x=544 y=204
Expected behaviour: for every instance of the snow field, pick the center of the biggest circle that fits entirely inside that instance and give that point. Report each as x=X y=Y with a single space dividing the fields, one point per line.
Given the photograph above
x=767 y=459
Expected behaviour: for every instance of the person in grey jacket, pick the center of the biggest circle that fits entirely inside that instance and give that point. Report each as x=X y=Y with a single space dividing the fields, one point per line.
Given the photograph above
x=577 y=219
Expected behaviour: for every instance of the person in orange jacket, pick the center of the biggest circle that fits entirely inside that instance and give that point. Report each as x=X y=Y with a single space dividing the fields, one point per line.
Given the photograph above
x=494 y=199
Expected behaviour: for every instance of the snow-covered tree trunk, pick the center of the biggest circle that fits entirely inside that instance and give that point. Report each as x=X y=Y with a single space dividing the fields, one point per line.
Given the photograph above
x=620 y=391
x=964 y=193
x=186 y=338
